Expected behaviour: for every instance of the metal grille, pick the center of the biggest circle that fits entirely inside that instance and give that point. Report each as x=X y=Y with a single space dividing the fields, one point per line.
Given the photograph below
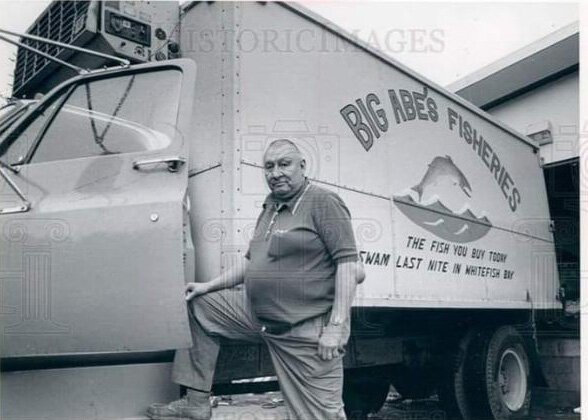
x=62 y=21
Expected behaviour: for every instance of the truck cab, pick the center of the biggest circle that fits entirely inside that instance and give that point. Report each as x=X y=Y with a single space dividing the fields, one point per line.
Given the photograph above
x=93 y=217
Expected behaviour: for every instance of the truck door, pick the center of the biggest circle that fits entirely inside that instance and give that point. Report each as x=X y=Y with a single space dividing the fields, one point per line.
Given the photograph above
x=92 y=252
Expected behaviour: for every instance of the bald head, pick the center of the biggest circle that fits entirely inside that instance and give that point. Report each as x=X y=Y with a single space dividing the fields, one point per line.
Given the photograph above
x=283 y=144
x=284 y=168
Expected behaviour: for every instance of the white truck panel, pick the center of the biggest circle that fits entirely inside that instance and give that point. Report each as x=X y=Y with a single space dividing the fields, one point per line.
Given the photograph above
x=417 y=188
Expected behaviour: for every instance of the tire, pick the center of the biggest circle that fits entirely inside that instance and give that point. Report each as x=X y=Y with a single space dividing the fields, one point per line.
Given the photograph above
x=508 y=375
x=500 y=376
x=452 y=389
x=364 y=394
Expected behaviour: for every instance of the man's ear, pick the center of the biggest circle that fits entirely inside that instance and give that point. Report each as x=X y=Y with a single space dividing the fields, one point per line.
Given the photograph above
x=303 y=164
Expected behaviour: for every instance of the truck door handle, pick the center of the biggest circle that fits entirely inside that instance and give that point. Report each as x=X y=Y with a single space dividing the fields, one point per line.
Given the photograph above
x=174 y=163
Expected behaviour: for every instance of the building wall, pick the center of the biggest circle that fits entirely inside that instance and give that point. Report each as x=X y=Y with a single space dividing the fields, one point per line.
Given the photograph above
x=556 y=102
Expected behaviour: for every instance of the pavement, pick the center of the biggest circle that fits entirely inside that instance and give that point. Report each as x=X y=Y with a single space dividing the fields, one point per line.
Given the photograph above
x=269 y=406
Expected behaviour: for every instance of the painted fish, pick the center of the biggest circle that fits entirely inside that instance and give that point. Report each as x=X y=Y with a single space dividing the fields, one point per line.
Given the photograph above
x=443 y=166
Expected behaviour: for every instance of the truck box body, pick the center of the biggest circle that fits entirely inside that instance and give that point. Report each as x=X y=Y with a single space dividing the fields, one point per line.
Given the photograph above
x=448 y=206
x=269 y=71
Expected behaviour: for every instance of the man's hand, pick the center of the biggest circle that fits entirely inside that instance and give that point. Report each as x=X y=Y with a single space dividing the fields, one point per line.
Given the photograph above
x=227 y=279
x=332 y=341
x=196 y=289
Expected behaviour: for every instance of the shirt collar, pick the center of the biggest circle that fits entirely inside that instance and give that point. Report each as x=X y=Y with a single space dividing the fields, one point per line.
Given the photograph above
x=291 y=202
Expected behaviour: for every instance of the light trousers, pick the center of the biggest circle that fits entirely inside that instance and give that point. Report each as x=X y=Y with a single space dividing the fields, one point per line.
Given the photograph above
x=311 y=387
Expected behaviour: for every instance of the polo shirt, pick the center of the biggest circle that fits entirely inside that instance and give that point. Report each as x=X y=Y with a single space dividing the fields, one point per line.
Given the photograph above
x=294 y=254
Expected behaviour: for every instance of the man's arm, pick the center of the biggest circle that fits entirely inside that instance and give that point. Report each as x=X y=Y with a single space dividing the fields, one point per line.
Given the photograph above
x=227 y=279
x=333 y=222
x=349 y=274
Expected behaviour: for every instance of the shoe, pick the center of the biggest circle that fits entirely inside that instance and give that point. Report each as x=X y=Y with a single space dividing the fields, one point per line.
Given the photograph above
x=186 y=408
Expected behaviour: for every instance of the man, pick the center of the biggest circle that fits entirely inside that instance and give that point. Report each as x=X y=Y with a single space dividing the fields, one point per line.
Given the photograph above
x=300 y=275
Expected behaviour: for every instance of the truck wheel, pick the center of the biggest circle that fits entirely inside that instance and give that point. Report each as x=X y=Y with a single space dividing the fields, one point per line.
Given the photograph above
x=452 y=387
x=364 y=394
x=500 y=376
x=508 y=377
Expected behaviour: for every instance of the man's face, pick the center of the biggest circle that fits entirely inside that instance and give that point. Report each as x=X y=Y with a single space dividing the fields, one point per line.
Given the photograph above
x=284 y=171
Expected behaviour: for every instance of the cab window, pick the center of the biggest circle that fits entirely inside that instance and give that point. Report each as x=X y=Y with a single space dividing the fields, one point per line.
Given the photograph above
x=15 y=147
x=125 y=114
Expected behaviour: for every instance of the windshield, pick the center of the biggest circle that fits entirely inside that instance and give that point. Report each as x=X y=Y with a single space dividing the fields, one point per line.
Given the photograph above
x=11 y=113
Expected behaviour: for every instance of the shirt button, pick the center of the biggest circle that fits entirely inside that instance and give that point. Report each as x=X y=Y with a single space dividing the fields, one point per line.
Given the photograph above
x=263 y=328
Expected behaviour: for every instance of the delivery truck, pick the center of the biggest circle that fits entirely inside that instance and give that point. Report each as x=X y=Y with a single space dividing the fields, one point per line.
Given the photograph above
x=125 y=182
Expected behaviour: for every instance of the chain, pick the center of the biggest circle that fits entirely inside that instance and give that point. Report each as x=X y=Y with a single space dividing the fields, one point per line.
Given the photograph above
x=99 y=138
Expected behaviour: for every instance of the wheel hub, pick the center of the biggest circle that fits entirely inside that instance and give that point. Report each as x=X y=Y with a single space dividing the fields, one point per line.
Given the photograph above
x=512 y=380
